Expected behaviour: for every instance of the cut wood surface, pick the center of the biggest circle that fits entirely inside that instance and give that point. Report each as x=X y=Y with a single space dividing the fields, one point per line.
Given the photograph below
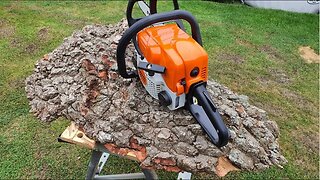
x=79 y=81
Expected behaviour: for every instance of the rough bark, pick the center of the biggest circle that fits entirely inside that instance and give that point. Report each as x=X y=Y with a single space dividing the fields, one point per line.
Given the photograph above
x=79 y=81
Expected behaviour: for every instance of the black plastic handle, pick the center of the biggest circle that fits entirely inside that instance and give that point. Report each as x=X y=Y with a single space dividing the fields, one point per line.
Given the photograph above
x=207 y=115
x=153 y=6
x=153 y=9
x=145 y=22
x=130 y=19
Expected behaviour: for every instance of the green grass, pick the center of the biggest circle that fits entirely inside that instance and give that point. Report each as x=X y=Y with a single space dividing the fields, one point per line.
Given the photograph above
x=252 y=51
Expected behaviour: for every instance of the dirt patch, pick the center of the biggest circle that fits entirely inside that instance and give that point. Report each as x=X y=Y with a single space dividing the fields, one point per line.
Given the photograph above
x=310 y=140
x=6 y=29
x=273 y=110
x=15 y=42
x=43 y=172
x=296 y=98
x=290 y=95
x=43 y=34
x=264 y=81
x=31 y=48
x=244 y=43
x=270 y=51
x=302 y=103
x=230 y=57
x=279 y=76
x=19 y=83
x=308 y=55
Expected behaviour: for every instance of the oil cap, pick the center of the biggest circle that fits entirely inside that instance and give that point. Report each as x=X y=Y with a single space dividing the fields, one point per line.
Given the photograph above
x=194 y=72
x=164 y=98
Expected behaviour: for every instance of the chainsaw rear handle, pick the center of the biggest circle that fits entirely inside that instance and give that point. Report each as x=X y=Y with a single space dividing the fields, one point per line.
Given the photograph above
x=207 y=114
x=148 y=21
x=153 y=6
x=153 y=9
x=130 y=19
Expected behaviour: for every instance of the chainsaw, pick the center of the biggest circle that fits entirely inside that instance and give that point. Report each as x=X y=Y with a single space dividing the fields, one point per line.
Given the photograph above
x=172 y=65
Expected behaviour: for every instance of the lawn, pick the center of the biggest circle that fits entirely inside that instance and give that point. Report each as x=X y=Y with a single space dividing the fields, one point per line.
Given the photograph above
x=252 y=51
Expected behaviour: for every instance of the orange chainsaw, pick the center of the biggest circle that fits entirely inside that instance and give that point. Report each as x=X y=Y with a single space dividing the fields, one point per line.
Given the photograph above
x=172 y=66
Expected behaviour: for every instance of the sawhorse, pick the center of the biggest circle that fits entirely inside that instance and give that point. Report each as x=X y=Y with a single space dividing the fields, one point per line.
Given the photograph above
x=100 y=156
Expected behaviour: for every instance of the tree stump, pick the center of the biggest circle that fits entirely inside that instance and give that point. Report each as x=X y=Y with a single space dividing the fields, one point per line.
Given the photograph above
x=79 y=81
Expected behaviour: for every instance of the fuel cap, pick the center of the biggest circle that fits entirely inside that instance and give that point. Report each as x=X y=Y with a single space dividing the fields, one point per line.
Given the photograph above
x=164 y=98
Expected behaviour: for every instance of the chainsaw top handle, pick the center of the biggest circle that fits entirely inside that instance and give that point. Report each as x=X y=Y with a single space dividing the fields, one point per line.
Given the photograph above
x=148 y=21
x=153 y=9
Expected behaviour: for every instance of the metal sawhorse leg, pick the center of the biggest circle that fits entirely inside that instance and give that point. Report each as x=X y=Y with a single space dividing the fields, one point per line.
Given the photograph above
x=98 y=160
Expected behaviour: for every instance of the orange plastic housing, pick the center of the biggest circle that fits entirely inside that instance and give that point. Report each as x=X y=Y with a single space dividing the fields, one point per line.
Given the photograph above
x=169 y=46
